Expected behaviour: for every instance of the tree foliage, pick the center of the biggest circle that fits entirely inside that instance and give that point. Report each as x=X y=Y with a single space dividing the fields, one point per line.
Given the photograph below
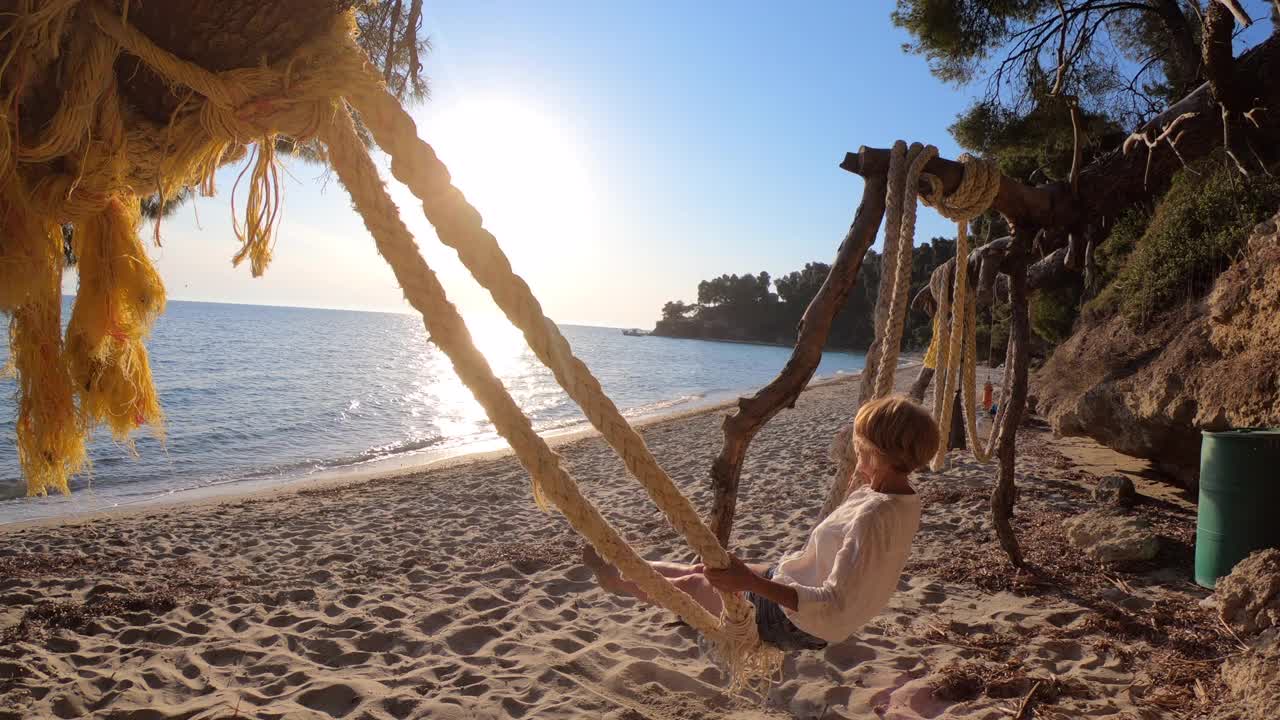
x=1116 y=64
x=1054 y=312
x=391 y=32
x=1124 y=60
x=742 y=291
x=677 y=310
x=1036 y=146
x=1119 y=63
x=743 y=307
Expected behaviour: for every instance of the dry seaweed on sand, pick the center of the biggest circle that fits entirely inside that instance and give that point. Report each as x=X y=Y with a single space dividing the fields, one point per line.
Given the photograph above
x=536 y=554
x=969 y=679
x=44 y=564
x=996 y=645
x=184 y=585
x=1159 y=631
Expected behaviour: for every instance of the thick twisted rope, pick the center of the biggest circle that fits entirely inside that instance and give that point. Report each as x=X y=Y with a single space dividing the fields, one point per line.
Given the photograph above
x=978 y=187
x=306 y=103
x=906 y=169
x=459 y=226
x=449 y=332
x=900 y=233
x=238 y=107
x=96 y=72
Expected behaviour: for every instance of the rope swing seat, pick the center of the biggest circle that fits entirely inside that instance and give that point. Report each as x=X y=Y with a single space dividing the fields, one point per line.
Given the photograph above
x=90 y=164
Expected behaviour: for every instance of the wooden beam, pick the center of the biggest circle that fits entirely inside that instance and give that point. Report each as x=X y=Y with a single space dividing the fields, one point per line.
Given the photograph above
x=753 y=412
x=1044 y=206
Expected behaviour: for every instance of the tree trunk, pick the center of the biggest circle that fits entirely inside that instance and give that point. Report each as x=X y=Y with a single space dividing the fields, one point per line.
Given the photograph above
x=1118 y=180
x=1182 y=64
x=921 y=384
x=1012 y=404
x=957 y=439
x=1229 y=92
x=753 y=412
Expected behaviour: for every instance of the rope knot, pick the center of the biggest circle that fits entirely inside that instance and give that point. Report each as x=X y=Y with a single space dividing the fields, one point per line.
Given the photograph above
x=978 y=187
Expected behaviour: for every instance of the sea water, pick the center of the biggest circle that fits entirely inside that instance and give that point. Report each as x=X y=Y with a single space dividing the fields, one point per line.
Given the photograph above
x=257 y=395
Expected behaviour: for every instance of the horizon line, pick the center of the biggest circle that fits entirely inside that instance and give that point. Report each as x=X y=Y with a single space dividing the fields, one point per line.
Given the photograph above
x=413 y=313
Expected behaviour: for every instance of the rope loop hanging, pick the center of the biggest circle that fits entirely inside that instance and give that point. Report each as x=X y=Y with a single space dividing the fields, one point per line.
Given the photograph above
x=906 y=171
x=954 y=345
x=906 y=168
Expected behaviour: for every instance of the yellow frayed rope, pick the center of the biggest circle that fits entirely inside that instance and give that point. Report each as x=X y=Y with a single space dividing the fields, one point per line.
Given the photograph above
x=955 y=321
x=303 y=99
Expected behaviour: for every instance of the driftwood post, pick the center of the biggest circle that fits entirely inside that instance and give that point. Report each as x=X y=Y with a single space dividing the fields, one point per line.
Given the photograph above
x=1014 y=400
x=921 y=384
x=755 y=411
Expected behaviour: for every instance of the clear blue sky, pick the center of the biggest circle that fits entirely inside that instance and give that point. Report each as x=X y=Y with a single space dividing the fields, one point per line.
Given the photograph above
x=620 y=154
x=680 y=141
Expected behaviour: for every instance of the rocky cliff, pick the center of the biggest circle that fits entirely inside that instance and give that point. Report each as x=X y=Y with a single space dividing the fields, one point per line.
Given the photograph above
x=1210 y=365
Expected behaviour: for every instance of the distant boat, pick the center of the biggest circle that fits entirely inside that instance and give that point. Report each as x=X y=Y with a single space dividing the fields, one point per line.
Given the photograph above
x=634 y=332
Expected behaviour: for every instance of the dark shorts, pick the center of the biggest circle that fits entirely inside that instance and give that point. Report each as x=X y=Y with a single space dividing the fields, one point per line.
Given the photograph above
x=776 y=628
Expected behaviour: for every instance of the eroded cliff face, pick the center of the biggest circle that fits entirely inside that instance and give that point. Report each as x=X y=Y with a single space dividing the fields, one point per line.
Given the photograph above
x=1212 y=364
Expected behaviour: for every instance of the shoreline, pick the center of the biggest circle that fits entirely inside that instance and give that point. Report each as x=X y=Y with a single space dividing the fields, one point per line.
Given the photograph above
x=765 y=343
x=384 y=470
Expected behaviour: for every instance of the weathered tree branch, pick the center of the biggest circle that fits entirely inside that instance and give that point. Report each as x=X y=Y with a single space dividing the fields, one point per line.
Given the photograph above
x=1116 y=180
x=921 y=383
x=1013 y=402
x=753 y=412
x=1238 y=13
x=1047 y=205
x=1227 y=89
x=1047 y=273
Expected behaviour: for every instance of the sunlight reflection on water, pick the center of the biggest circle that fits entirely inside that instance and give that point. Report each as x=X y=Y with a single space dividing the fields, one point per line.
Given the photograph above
x=262 y=394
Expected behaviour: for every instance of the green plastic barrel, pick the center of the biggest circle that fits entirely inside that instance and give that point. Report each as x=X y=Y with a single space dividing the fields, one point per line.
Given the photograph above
x=1239 y=499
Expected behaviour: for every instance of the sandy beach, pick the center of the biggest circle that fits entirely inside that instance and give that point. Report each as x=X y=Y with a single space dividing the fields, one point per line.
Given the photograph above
x=448 y=594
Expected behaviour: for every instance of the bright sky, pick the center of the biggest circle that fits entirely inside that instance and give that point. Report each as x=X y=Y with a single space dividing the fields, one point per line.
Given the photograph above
x=619 y=155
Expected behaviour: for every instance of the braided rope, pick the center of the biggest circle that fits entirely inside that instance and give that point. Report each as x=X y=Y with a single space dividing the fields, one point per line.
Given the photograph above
x=903 y=235
x=906 y=169
x=458 y=225
x=449 y=332
x=95 y=73
x=888 y=264
x=302 y=99
x=978 y=187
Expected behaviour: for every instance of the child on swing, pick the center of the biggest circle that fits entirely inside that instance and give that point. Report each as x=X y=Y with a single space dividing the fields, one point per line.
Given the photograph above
x=849 y=567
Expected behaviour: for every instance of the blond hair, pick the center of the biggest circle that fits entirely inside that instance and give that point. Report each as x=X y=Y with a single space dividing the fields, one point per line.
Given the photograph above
x=899 y=428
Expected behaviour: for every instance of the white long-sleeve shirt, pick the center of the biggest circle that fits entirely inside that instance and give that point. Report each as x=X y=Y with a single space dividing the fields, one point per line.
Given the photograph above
x=850 y=566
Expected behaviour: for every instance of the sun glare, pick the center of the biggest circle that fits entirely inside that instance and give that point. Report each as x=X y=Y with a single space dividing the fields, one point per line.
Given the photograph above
x=522 y=167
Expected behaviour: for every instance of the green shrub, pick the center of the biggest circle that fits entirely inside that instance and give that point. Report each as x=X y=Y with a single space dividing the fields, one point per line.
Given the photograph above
x=1109 y=259
x=1054 y=312
x=1155 y=263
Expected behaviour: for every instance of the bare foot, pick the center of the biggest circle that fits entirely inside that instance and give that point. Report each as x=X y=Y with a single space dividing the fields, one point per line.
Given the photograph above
x=607 y=575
